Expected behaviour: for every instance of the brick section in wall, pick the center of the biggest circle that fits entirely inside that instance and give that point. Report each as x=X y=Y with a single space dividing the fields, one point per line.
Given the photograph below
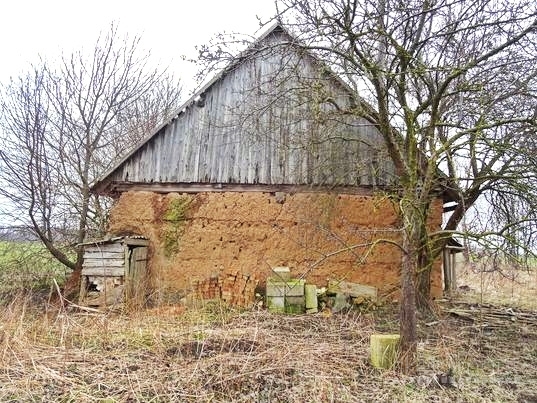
x=233 y=287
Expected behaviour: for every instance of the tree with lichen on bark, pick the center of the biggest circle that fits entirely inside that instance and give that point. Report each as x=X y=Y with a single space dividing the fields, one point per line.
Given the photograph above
x=451 y=86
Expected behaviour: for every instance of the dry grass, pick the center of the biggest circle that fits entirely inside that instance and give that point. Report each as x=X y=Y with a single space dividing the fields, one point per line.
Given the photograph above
x=213 y=353
x=507 y=287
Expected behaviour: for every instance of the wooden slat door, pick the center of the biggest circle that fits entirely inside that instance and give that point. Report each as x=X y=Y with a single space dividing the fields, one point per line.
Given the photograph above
x=136 y=276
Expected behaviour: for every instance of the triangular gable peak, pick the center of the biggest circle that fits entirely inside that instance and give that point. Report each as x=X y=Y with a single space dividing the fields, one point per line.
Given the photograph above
x=273 y=119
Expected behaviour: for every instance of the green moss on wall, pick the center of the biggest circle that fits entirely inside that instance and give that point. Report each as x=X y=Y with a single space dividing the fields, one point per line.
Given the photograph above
x=173 y=224
x=176 y=210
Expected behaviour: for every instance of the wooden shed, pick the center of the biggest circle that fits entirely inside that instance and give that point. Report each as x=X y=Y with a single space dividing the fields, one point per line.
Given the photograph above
x=114 y=271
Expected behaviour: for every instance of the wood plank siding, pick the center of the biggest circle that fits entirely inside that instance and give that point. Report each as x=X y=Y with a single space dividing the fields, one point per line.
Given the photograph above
x=272 y=118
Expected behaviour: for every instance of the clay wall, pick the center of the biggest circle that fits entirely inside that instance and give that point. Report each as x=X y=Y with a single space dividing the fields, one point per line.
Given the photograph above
x=198 y=238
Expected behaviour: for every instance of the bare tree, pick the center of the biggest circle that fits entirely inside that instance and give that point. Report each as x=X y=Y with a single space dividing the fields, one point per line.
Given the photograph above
x=450 y=85
x=65 y=123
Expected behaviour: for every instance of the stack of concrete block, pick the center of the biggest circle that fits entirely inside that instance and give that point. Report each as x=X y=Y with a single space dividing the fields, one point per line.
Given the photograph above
x=285 y=295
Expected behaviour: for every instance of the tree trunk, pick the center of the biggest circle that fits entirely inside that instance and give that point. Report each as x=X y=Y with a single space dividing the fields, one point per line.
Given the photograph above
x=407 y=314
x=72 y=285
x=423 y=282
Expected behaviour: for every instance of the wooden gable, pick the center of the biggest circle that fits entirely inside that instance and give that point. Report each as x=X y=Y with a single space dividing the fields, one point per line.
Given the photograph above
x=272 y=118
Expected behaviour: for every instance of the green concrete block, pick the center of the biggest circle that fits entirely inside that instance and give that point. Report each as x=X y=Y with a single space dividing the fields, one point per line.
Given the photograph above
x=310 y=292
x=340 y=302
x=292 y=288
x=295 y=305
x=384 y=350
x=275 y=288
x=281 y=274
x=276 y=304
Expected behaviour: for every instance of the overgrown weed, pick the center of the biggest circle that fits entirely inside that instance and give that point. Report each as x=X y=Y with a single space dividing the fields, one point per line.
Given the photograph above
x=210 y=352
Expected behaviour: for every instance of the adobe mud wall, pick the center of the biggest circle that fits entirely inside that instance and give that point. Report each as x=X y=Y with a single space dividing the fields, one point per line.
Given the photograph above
x=196 y=238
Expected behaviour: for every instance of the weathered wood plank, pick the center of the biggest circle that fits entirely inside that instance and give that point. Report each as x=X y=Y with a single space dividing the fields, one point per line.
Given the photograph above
x=136 y=241
x=204 y=187
x=105 y=247
x=103 y=255
x=136 y=278
x=104 y=262
x=263 y=123
x=103 y=271
x=140 y=255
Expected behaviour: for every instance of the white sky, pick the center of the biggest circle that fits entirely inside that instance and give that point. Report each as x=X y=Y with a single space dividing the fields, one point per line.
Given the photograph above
x=30 y=28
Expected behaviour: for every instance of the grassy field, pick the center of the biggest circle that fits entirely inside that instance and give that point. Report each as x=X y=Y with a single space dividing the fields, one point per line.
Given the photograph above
x=212 y=353
x=27 y=266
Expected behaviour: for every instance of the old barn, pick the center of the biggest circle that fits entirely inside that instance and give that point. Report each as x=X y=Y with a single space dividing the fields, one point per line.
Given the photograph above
x=263 y=167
